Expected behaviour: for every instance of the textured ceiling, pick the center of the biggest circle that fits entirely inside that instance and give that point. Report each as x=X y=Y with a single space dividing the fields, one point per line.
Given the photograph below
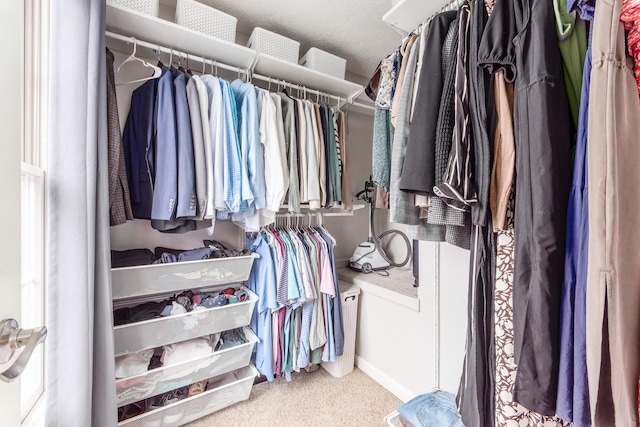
x=351 y=29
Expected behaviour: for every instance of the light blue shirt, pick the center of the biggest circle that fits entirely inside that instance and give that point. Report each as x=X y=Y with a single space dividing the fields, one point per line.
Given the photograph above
x=250 y=147
x=262 y=281
x=233 y=173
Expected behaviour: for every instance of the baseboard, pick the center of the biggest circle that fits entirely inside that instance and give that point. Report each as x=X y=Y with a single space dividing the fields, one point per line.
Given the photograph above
x=384 y=380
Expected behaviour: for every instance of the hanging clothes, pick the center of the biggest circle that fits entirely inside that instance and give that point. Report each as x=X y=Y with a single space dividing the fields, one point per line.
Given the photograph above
x=119 y=198
x=297 y=275
x=573 y=388
x=613 y=275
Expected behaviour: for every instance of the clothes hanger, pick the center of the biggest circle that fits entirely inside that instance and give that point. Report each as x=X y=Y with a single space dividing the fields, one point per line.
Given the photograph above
x=133 y=58
x=324 y=230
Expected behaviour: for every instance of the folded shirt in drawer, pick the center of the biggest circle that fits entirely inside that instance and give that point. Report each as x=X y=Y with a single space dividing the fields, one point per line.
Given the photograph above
x=186 y=363
x=162 y=331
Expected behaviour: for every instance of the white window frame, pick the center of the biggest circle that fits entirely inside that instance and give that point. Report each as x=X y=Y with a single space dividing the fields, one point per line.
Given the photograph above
x=35 y=85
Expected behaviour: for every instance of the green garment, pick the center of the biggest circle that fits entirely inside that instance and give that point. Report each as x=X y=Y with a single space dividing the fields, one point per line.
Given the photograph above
x=334 y=168
x=572 y=38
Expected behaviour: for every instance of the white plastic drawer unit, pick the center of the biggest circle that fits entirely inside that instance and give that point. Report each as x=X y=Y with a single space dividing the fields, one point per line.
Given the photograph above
x=224 y=391
x=160 y=380
x=181 y=327
x=152 y=279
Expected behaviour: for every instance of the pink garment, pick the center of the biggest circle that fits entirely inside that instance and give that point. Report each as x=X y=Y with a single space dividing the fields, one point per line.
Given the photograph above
x=630 y=15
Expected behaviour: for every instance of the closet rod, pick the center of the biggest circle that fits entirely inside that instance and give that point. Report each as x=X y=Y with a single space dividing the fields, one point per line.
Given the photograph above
x=212 y=62
x=316 y=92
x=170 y=51
x=305 y=214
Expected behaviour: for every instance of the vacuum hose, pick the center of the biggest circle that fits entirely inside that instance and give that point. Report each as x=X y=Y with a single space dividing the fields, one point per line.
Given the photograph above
x=377 y=239
x=368 y=196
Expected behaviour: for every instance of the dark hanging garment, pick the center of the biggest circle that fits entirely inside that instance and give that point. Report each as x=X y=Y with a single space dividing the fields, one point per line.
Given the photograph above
x=119 y=198
x=137 y=140
x=481 y=100
x=418 y=170
x=521 y=35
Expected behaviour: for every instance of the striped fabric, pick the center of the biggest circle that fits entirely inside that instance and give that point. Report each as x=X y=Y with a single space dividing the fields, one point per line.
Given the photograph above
x=233 y=168
x=457 y=188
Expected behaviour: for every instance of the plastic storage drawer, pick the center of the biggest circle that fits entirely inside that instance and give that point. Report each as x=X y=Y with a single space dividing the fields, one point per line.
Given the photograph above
x=205 y=19
x=167 y=378
x=181 y=327
x=227 y=389
x=148 y=7
x=127 y=282
x=324 y=62
x=270 y=43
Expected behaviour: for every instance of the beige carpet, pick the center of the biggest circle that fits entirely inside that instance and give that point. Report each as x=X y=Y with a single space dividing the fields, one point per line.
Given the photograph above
x=309 y=400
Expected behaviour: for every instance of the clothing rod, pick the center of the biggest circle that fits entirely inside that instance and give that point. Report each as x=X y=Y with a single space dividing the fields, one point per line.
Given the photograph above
x=170 y=51
x=306 y=90
x=304 y=215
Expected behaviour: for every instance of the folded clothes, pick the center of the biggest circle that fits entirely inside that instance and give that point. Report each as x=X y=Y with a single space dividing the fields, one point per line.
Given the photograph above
x=131 y=257
x=220 y=251
x=197 y=388
x=145 y=311
x=241 y=295
x=186 y=350
x=231 y=338
x=131 y=410
x=133 y=363
x=177 y=309
x=159 y=251
x=216 y=301
x=167 y=398
x=138 y=391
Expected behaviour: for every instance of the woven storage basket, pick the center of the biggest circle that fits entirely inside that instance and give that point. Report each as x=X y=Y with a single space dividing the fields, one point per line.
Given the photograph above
x=205 y=19
x=273 y=44
x=148 y=7
x=324 y=62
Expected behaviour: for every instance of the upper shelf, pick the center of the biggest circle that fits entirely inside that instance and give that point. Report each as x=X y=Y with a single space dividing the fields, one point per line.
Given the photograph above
x=168 y=34
x=406 y=15
x=294 y=73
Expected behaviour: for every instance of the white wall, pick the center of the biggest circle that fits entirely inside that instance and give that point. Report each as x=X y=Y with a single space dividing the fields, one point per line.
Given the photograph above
x=396 y=342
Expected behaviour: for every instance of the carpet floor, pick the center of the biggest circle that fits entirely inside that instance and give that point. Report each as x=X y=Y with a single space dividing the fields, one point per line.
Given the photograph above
x=309 y=400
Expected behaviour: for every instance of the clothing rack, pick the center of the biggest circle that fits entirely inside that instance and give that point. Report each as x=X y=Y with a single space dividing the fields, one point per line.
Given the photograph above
x=408 y=15
x=248 y=73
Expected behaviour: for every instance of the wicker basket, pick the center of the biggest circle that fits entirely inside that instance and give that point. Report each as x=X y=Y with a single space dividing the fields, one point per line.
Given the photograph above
x=273 y=44
x=148 y=7
x=204 y=19
x=324 y=62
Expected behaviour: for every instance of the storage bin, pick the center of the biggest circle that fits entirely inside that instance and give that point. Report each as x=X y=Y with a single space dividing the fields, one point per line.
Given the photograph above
x=228 y=389
x=205 y=19
x=157 y=381
x=127 y=282
x=181 y=327
x=148 y=7
x=273 y=44
x=344 y=364
x=324 y=62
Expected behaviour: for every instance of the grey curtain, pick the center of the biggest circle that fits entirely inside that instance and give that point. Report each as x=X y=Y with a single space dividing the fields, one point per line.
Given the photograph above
x=79 y=363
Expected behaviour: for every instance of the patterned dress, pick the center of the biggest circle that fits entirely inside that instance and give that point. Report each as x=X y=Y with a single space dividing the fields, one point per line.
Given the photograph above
x=508 y=412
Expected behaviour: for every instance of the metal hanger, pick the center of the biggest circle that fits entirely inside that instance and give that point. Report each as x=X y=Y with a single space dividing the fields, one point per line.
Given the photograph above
x=133 y=58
